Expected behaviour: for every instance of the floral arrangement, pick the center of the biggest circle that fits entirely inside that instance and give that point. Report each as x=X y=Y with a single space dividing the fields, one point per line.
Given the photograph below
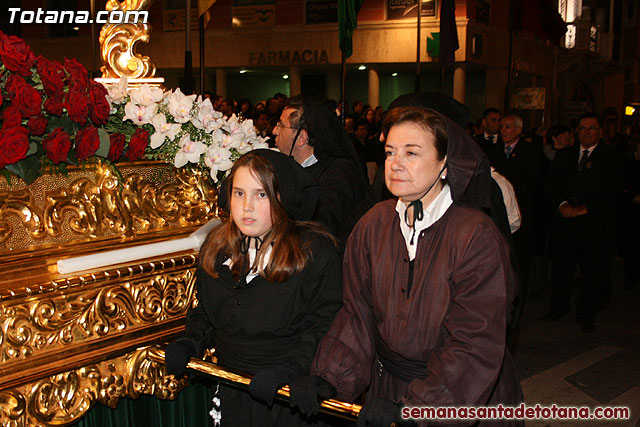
x=53 y=115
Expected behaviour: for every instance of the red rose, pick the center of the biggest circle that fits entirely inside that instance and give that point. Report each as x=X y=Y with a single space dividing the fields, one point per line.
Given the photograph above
x=137 y=144
x=57 y=145
x=28 y=100
x=51 y=74
x=14 y=82
x=77 y=74
x=116 y=146
x=16 y=55
x=100 y=107
x=37 y=125
x=12 y=118
x=87 y=142
x=53 y=106
x=14 y=145
x=77 y=108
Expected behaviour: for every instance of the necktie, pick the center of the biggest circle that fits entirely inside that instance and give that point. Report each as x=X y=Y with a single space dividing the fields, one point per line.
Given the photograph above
x=583 y=160
x=507 y=150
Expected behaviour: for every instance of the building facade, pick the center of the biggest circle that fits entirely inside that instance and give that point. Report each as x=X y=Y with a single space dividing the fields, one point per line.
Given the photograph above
x=508 y=58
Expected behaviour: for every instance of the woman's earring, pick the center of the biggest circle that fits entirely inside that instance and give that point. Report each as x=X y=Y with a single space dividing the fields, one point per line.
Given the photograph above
x=444 y=177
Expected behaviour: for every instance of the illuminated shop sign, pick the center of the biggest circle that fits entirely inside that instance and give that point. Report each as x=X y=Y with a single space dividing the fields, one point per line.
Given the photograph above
x=289 y=57
x=401 y=9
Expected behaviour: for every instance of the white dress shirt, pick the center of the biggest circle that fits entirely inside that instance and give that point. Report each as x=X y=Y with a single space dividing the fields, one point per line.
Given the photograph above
x=510 y=200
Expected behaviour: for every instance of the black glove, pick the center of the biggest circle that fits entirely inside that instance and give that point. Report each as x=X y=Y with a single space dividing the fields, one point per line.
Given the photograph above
x=380 y=413
x=307 y=392
x=177 y=355
x=266 y=382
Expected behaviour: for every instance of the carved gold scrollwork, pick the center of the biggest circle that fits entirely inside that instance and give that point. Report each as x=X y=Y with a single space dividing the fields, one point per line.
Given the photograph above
x=19 y=204
x=199 y=197
x=64 y=398
x=117 y=42
x=101 y=204
x=12 y=407
x=82 y=201
x=45 y=324
x=61 y=398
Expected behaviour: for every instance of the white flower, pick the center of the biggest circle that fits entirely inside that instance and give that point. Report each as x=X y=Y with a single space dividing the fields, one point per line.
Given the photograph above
x=139 y=114
x=180 y=106
x=190 y=151
x=217 y=159
x=146 y=95
x=225 y=139
x=259 y=142
x=208 y=119
x=239 y=134
x=117 y=92
x=163 y=130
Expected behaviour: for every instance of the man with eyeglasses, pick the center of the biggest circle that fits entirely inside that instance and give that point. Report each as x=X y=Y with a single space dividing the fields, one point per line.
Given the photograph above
x=310 y=132
x=583 y=184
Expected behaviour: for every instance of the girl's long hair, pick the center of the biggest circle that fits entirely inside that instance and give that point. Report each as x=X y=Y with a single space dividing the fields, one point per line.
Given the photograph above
x=290 y=252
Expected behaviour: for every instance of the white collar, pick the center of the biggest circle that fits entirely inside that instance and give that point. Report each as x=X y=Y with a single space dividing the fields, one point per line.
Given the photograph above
x=432 y=213
x=491 y=137
x=311 y=160
x=589 y=150
x=513 y=144
x=252 y=256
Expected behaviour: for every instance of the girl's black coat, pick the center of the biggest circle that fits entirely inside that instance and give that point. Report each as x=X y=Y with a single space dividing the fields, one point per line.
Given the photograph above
x=266 y=324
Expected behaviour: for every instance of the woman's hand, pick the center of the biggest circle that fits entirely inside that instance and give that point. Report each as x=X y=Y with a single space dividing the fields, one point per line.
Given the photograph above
x=177 y=355
x=267 y=382
x=307 y=392
x=382 y=413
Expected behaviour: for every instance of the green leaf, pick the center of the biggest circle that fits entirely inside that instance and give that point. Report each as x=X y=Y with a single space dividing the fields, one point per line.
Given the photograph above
x=60 y=122
x=33 y=149
x=105 y=143
x=28 y=169
x=71 y=158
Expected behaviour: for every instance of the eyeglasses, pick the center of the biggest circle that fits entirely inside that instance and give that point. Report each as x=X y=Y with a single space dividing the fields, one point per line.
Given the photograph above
x=281 y=126
x=587 y=129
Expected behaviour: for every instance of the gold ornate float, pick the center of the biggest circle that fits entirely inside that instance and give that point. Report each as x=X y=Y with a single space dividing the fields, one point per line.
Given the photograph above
x=117 y=43
x=67 y=342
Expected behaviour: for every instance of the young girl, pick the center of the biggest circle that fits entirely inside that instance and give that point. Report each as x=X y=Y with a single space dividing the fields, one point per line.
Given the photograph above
x=268 y=288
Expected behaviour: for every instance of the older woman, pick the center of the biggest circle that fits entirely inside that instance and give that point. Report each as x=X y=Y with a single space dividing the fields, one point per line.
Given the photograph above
x=428 y=285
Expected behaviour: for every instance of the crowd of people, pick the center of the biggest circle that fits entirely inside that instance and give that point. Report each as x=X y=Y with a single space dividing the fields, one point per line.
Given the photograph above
x=578 y=197
x=385 y=258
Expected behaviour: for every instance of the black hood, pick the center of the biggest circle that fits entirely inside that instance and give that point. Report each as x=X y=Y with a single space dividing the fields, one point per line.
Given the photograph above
x=299 y=192
x=326 y=133
x=468 y=171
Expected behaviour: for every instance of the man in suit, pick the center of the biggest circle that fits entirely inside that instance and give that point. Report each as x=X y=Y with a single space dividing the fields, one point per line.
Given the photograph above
x=519 y=161
x=491 y=131
x=583 y=184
